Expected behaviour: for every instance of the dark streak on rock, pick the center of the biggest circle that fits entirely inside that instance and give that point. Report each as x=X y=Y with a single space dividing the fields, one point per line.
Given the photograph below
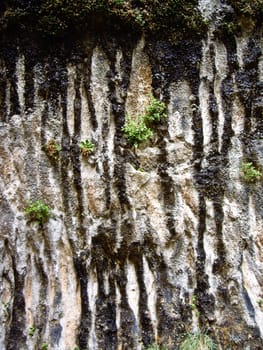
x=12 y=79
x=81 y=271
x=128 y=331
x=168 y=306
x=86 y=84
x=105 y=133
x=58 y=86
x=65 y=153
x=3 y=106
x=118 y=111
x=55 y=333
x=103 y=260
x=106 y=176
x=201 y=283
x=40 y=321
x=161 y=56
x=44 y=118
x=30 y=61
x=168 y=194
x=227 y=91
x=204 y=302
x=136 y=257
x=16 y=338
x=55 y=326
x=248 y=88
x=75 y=152
x=213 y=111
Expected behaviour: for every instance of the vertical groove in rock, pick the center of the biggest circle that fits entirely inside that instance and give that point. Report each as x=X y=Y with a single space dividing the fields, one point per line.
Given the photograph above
x=65 y=159
x=16 y=337
x=81 y=271
x=127 y=332
x=41 y=316
x=29 y=81
x=228 y=92
x=75 y=151
x=118 y=111
x=3 y=88
x=201 y=277
x=105 y=323
x=136 y=256
x=160 y=65
x=247 y=83
x=86 y=84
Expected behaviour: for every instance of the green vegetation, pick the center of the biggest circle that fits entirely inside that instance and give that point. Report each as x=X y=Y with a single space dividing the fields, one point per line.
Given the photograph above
x=260 y=303
x=60 y=17
x=246 y=13
x=156 y=111
x=52 y=149
x=5 y=309
x=193 y=305
x=86 y=147
x=197 y=341
x=251 y=8
x=171 y=19
x=176 y=17
x=56 y=17
x=250 y=173
x=138 y=130
x=38 y=212
x=44 y=346
x=31 y=331
x=193 y=302
x=155 y=347
x=118 y=2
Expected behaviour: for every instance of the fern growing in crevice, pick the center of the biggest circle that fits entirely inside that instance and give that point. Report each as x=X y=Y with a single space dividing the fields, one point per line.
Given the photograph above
x=139 y=129
x=250 y=173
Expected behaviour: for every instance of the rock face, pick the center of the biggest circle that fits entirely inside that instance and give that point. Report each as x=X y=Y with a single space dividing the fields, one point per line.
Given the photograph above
x=146 y=244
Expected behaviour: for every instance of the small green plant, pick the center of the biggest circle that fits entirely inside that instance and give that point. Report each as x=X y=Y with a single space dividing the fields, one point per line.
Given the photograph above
x=136 y=131
x=197 y=341
x=156 y=111
x=76 y=347
x=260 y=303
x=193 y=302
x=52 y=149
x=155 y=347
x=38 y=212
x=5 y=308
x=44 y=346
x=31 y=331
x=86 y=147
x=118 y=2
x=250 y=173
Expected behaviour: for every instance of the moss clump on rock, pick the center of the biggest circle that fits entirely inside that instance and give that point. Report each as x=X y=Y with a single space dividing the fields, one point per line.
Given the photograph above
x=253 y=8
x=178 y=18
x=38 y=212
x=58 y=17
x=244 y=14
x=138 y=129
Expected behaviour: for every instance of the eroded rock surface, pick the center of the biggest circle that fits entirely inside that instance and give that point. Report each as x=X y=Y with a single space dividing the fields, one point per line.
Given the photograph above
x=135 y=234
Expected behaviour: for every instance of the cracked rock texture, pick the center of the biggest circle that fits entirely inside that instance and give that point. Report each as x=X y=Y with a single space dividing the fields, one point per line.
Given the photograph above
x=134 y=234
